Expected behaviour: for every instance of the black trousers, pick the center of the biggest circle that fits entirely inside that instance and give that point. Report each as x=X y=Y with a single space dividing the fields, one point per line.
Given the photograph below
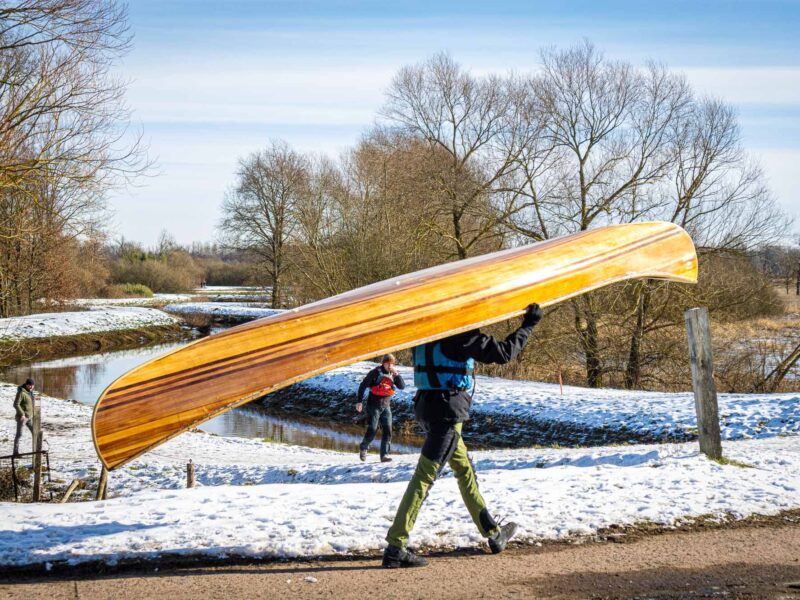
x=375 y=415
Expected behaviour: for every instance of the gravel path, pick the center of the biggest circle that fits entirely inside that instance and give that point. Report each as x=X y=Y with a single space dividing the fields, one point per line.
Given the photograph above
x=742 y=562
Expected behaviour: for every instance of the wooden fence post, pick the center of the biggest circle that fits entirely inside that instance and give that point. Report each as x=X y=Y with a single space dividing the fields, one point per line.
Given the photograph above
x=190 y=477
x=37 y=451
x=72 y=487
x=102 y=484
x=698 y=332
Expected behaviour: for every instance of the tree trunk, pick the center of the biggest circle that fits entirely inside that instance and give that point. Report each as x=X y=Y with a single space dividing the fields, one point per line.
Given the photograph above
x=462 y=253
x=797 y=282
x=633 y=370
x=275 y=294
x=586 y=326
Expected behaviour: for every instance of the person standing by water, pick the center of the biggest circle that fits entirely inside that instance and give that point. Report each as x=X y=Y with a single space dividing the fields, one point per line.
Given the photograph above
x=382 y=382
x=444 y=378
x=23 y=405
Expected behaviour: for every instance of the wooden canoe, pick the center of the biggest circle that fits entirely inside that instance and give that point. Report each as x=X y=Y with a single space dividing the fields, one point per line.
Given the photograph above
x=183 y=388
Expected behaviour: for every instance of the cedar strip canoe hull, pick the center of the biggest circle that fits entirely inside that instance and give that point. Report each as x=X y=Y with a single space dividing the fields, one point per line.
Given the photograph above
x=183 y=388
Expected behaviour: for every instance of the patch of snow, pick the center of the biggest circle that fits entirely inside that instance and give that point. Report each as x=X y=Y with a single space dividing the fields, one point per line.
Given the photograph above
x=155 y=299
x=239 y=310
x=74 y=323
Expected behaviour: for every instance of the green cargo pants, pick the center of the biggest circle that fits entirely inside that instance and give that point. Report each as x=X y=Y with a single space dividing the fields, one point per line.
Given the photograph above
x=425 y=474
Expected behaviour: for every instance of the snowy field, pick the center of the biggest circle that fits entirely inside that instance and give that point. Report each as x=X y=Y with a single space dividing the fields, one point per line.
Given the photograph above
x=270 y=500
x=742 y=416
x=155 y=299
x=75 y=323
x=236 y=310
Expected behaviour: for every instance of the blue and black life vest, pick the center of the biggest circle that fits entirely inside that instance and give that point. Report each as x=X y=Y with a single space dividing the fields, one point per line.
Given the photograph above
x=434 y=371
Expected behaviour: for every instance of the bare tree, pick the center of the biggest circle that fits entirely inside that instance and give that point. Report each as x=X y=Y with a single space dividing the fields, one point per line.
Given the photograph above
x=470 y=125
x=620 y=144
x=260 y=213
x=64 y=139
x=607 y=136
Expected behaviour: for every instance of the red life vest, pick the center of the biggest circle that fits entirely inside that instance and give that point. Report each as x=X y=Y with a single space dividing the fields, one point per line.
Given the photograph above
x=384 y=387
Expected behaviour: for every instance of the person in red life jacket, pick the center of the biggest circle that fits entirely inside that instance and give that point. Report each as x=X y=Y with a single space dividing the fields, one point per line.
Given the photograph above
x=382 y=382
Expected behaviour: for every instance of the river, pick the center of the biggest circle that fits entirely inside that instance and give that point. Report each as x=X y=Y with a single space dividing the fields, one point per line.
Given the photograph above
x=83 y=378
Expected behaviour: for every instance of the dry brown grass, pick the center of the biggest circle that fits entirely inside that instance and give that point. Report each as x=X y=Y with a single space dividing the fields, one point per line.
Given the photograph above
x=791 y=300
x=744 y=351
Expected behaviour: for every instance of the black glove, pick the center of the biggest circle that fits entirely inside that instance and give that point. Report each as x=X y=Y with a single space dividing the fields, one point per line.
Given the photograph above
x=533 y=314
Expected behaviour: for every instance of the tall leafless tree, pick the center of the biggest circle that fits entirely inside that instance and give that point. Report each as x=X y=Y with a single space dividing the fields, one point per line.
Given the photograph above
x=471 y=127
x=64 y=140
x=260 y=213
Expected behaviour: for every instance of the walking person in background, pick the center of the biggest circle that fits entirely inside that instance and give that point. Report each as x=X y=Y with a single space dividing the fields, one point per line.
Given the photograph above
x=444 y=378
x=23 y=405
x=382 y=382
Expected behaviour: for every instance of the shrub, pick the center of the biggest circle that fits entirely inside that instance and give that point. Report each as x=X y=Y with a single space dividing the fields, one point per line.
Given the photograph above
x=126 y=290
x=137 y=290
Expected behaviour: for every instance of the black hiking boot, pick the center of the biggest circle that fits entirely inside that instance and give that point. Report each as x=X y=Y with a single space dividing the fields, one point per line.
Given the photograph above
x=362 y=454
x=397 y=558
x=385 y=458
x=499 y=541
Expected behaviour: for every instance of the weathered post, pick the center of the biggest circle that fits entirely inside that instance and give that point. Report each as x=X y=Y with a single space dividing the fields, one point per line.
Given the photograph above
x=37 y=450
x=190 y=477
x=698 y=332
x=102 y=484
x=72 y=487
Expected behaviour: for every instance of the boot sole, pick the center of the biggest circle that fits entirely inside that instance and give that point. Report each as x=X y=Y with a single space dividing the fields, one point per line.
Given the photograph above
x=398 y=565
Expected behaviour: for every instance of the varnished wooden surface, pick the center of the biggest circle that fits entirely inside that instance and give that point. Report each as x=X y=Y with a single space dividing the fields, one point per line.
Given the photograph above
x=177 y=391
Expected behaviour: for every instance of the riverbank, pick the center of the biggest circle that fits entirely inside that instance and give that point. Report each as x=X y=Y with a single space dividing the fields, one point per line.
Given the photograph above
x=265 y=500
x=508 y=413
x=223 y=312
x=50 y=335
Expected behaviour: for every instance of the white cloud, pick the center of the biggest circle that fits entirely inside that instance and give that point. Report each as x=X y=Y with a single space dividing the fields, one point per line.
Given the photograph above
x=748 y=85
x=782 y=168
x=314 y=95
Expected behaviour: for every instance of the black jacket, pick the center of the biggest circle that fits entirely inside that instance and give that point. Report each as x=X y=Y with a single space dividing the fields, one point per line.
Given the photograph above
x=373 y=378
x=450 y=406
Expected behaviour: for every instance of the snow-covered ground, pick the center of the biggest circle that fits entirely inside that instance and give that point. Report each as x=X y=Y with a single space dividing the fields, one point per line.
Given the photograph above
x=236 y=310
x=74 y=323
x=155 y=299
x=658 y=414
x=263 y=499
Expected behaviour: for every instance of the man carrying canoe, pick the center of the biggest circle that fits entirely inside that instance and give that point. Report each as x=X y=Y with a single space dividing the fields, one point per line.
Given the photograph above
x=443 y=375
x=382 y=382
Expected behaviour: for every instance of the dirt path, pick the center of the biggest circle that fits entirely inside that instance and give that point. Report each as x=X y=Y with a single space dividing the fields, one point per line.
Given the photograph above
x=744 y=562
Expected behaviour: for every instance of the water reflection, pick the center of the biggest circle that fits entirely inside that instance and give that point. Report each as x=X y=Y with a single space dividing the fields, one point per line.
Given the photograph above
x=250 y=422
x=83 y=378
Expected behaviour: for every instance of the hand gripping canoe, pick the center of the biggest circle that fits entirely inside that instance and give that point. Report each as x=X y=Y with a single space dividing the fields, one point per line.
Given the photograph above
x=183 y=388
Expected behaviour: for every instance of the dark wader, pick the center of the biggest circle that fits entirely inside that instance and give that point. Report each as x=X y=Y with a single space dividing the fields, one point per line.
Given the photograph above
x=377 y=414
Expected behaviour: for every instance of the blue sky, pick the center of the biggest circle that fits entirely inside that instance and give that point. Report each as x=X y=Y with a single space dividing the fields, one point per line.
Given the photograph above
x=213 y=81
